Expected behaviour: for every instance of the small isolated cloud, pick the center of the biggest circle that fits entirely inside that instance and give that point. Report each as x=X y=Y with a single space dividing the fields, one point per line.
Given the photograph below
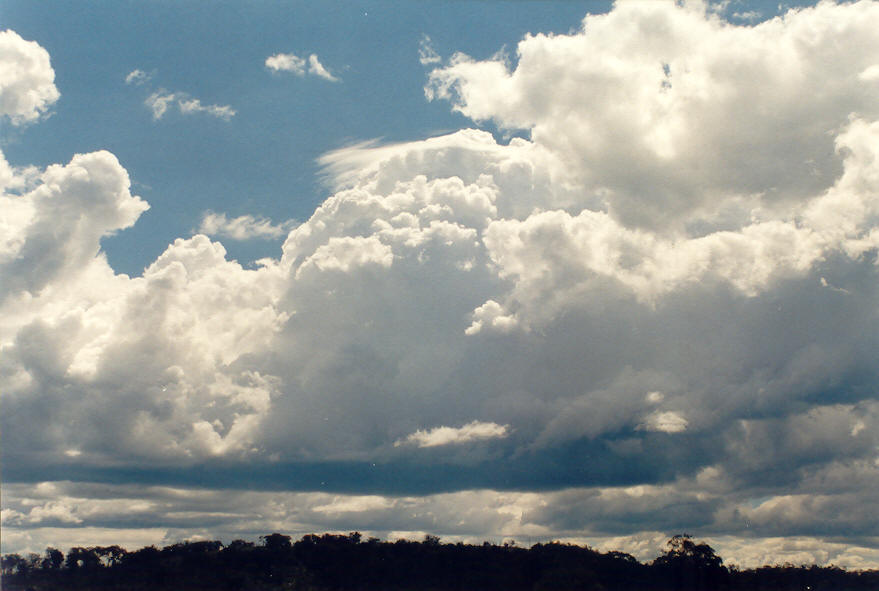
x=288 y=62
x=193 y=105
x=426 y=54
x=137 y=77
x=27 y=80
x=472 y=431
x=749 y=15
x=243 y=227
x=160 y=101
x=665 y=422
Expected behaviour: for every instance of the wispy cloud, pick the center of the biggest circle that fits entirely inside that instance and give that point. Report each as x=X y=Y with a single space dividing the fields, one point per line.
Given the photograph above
x=289 y=62
x=137 y=77
x=473 y=431
x=243 y=227
x=749 y=15
x=160 y=101
x=426 y=54
x=316 y=68
x=193 y=105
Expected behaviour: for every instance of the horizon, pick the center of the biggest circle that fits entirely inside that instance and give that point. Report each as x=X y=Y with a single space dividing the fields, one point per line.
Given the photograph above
x=593 y=272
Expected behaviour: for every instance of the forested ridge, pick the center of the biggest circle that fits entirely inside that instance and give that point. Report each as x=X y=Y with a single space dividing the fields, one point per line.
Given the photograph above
x=332 y=562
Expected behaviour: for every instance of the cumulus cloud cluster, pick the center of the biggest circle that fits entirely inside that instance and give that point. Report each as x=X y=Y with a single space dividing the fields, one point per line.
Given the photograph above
x=661 y=306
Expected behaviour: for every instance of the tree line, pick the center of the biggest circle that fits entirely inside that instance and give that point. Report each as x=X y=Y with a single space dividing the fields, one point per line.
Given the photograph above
x=333 y=562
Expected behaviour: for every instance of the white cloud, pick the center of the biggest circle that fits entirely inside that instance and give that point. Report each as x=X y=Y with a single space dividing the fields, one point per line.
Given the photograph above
x=472 y=431
x=665 y=421
x=748 y=15
x=192 y=105
x=288 y=62
x=27 y=80
x=426 y=53
x=137 y=77
x=244 y=227
x=673 y=136
x=49 y=239
x=316 y=68
x=159 y=102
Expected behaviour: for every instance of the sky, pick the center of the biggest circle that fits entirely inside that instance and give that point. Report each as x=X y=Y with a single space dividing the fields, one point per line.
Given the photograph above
x=580 y=271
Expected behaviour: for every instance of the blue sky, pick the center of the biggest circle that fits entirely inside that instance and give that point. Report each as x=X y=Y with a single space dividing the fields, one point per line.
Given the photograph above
x=486 y=270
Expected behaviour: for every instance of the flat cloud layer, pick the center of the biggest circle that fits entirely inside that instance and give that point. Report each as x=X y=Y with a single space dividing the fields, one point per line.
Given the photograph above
x=657 y=314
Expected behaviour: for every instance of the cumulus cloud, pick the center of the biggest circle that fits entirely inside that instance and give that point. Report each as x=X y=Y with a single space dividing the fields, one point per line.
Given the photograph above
x=661 y=306
x=288 y=62
x=159 y=102
x=472 y=431
x=27 y=80
x=673 y=119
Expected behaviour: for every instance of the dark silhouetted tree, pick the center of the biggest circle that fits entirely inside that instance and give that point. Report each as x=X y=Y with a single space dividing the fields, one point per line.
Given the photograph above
x=53 y=558
x=691 y=565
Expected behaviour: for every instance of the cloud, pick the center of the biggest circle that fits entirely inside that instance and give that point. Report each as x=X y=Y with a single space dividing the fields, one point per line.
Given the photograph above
x=161 y=100
x=288 y=62
x=472 y=431
x=158 y=102
x=192 y=105
x=27 y=80
x=667 y=422
x=673 y=121
x=49 y=240
x=748 y=15
x=662 y=308
x=137 y=77
x=244 y=227
x=316 y=68
x=426 y=53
